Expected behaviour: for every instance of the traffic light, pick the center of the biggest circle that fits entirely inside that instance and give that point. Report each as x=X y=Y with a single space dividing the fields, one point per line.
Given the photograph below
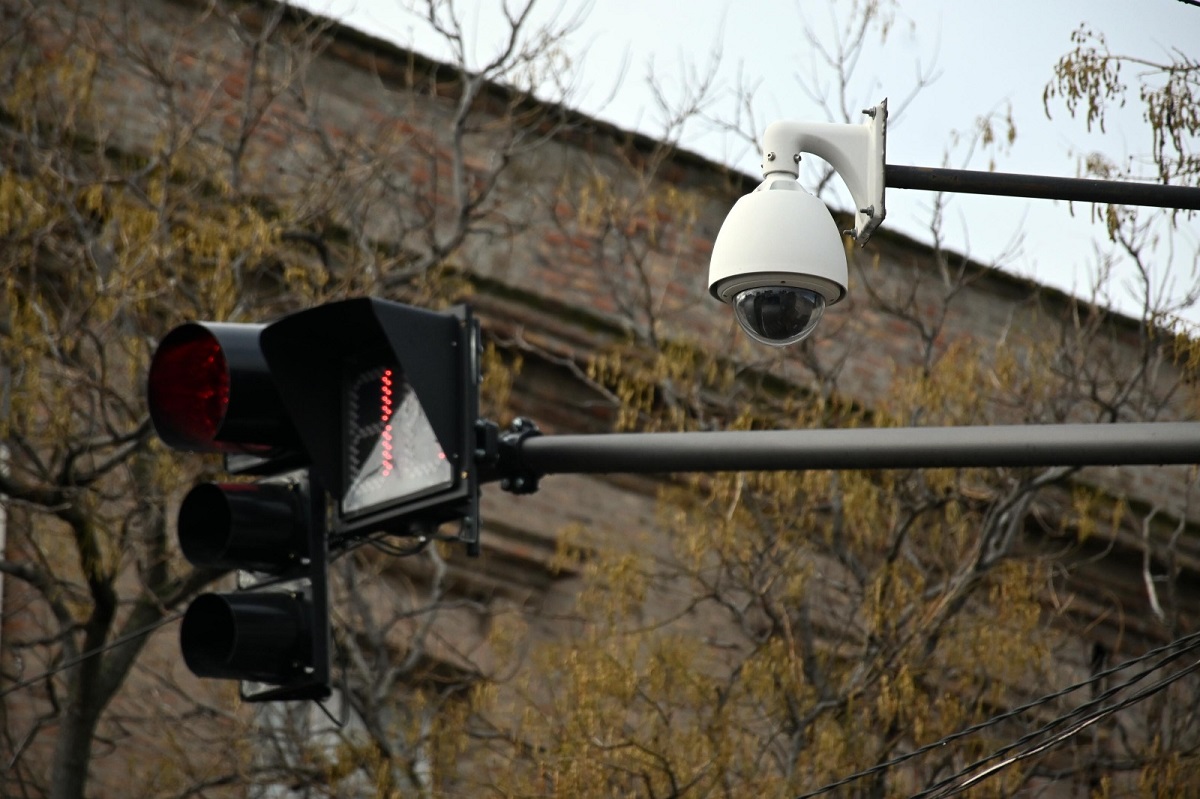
x=385 y=399
x=209 y=390
x=368 y=403
x=273 y=633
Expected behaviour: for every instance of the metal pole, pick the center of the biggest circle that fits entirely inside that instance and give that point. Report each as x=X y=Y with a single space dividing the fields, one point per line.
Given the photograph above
x=966 y=181
x=883 y=448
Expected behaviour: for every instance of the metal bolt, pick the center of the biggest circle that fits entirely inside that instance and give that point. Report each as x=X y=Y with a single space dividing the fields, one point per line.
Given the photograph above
x=796 y=158
x=770 y=156
x=850 y=233
x=868 y=211
x=869 y=112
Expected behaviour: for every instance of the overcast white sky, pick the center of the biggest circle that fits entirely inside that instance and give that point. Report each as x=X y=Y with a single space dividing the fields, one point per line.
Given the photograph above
x=986 y=57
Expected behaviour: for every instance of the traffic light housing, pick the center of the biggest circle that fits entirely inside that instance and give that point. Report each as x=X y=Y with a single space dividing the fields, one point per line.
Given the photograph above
x=385 y=399
x=209 y=390
x=365 y=402
x=273 y=632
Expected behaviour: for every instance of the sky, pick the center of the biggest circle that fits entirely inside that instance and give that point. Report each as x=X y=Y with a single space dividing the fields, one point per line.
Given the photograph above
x=979 y=59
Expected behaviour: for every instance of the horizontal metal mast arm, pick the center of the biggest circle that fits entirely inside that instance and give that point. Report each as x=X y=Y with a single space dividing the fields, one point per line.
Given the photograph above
x=1008 y=184
x=882 y=448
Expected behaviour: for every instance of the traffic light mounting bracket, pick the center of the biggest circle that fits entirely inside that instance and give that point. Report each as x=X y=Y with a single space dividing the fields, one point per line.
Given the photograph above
x=500 y=457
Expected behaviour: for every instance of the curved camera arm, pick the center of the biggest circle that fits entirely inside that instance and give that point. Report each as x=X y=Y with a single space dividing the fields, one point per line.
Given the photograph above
x=856 y=153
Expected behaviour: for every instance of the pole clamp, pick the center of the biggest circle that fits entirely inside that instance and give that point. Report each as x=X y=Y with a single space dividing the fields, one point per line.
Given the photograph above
x=515 y=476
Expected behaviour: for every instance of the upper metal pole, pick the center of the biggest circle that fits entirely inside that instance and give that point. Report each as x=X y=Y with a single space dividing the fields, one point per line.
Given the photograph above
x=1009 y=184
x=884 y=448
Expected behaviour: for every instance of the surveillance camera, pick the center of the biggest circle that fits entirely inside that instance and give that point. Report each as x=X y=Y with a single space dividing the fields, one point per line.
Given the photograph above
x=779 y=261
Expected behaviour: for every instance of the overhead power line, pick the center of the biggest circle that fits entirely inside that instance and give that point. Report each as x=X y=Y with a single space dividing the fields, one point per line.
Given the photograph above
x=1171 y=651
x=66 y=664
x=1088 y=713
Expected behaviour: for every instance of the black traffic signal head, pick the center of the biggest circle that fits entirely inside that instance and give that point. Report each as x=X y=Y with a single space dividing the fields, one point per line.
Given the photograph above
x=378 y=400
x=384 y=398
x=209 y=390
x=260 y=527
x=263 y=637
x=272 y=634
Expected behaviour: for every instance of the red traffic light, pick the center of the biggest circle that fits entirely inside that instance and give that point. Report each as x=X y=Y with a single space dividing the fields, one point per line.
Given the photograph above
x=210 y=390
x=189 y=388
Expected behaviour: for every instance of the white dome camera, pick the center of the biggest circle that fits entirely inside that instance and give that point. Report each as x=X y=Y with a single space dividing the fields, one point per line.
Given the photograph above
x=778 y=258
x=778 y=261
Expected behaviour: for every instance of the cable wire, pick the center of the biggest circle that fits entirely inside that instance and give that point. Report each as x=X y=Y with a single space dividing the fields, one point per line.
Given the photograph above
x=1185 y=644
x=1082 y=710
x=1081 y=725
x=347 y=544
x=91 y=653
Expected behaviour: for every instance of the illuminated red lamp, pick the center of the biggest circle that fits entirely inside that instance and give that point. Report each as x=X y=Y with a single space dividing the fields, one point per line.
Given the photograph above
x=209 y=390
x=386 y=408
x=189 y=389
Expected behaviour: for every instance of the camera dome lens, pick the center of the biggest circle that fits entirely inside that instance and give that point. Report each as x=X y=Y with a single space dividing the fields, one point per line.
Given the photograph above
x=778 y=315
